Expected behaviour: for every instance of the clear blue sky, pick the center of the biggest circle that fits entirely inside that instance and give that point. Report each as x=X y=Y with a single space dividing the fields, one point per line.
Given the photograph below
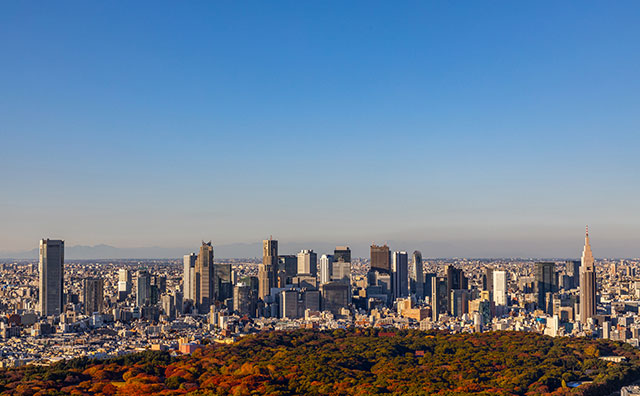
x=483 y=128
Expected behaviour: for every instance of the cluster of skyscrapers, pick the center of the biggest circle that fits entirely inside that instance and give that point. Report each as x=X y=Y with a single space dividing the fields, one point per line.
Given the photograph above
x=289 y=285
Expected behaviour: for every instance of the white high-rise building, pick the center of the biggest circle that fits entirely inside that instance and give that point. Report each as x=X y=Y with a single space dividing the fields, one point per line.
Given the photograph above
x=326 y=268
x=124 y=283
x=51 y=266
x=500 y=287
x=307 y=263
x=189 y=276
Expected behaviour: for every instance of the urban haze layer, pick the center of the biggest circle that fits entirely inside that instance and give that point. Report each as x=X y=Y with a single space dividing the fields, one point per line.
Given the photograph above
x=57 y=310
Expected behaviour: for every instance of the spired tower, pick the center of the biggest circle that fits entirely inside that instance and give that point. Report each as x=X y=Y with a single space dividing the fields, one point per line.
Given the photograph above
x=587 y=282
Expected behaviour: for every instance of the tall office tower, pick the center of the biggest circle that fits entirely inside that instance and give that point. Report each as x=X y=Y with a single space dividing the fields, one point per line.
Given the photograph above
x=342 y=253
x=51 y=268
x=380 y=259
x=587 y=282
x=143 y=292
x=326 y=268
x=204 y=278
x=124 y=283
x=268 y=270
x=244 y=300
x=307 y=263
x=500 y=287
x=341 y=266
x=288 y=304
x=341 y=271
x=189 y=276
x=572 y=268
x=487 y=279
x=335 y=296
x=124 y=275
x=160 y=282
x=417 y=275
x=263 y=281
x=400 y=274
x=93 y=295
x=545 y=282
x=456 y=280
x=287 y=269
x=439 y=296
x=179 y=301
x=427 y=284
x=459 y=299
x=169 y=305
x=222 y=285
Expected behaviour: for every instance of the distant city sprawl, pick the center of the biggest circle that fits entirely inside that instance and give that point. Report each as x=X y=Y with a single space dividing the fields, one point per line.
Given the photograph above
x=58 y=310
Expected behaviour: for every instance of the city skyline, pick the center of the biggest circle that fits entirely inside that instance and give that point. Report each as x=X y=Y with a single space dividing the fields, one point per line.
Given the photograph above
x=468 y=126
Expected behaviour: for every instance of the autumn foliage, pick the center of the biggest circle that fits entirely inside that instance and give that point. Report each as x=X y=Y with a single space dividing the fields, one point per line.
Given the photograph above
x=347 y=362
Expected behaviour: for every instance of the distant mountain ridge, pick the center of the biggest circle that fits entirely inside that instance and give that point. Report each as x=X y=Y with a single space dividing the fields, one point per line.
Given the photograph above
x=102 y=251
x=549 y=249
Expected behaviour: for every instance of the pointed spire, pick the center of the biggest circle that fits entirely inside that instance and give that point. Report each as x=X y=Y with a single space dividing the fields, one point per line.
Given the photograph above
x=587 y=255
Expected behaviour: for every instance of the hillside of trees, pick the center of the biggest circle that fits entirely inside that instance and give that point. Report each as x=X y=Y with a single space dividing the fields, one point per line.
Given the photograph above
x=348 y=362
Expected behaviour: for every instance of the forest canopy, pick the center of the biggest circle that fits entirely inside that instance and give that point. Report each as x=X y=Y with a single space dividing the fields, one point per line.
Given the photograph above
x=348 y=362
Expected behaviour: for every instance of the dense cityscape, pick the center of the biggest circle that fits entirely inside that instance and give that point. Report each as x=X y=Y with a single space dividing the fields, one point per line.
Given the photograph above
x=319 y=198
x=57 y=310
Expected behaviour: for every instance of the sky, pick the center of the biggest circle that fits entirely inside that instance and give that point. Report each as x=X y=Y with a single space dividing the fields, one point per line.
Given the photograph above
x=460 y=128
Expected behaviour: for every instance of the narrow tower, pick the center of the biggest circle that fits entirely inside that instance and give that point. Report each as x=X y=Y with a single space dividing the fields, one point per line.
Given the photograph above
x=587 y=282
x=51 y=283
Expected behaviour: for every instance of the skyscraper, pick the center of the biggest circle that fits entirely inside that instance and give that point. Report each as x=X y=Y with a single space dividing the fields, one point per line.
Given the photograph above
x=335 y=296
x=325 y=268
x=587 y=282
x=93 y=295
x=341 y=265
x=380 y=259
x=287 y=269
x=342 y=253
x=51 y=266
x=459 y=302
x=268 y=270
x=143 y=292
x=341 y=271
x=499 y=287
x=189 y=276
x=307 y=263
x=545 y=282
x=417 y=275
x=244 y=300
x=400 y=274
x=572 y=269
x=487 y=279
x=439 y=297
x=204 y=284
x=124 y=283
x=222 y=285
